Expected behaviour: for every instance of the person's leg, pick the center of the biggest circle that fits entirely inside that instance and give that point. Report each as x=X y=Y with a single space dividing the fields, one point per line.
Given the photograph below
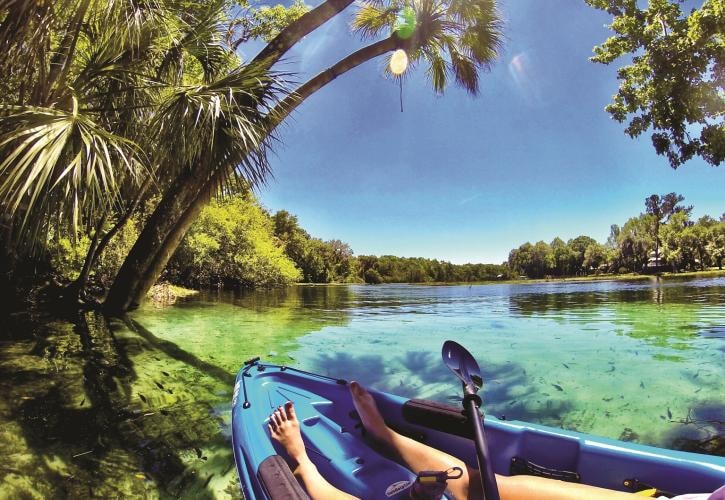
x=525 y=487
x=415 y=455
x=285 y=429
x=418 y=457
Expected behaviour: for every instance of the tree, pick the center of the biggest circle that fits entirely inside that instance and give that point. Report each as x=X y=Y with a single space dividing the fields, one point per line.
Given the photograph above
x=232 y=243
x=635 y=242
x=674 y=84
x=577 y=248
x=662 y=208
x=594 y=256
x=562 y=257
x=456 y=38
x=678 y=249
x=113 y=100
x=716 y=243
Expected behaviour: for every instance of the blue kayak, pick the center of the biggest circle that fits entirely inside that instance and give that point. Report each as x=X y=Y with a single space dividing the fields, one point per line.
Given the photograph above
x=335 y=442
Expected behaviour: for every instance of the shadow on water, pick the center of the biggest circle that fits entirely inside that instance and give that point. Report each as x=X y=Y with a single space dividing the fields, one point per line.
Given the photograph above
x=140 y=407
x=174 y=351
x=507 y=393
x=76 y=424
x=702 y=430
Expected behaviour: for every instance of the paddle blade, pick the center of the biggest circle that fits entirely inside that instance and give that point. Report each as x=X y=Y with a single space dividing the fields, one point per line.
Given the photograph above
x=462 y=364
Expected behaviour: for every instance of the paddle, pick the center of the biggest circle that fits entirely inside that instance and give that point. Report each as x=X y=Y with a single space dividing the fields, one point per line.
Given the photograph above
x=461 y=362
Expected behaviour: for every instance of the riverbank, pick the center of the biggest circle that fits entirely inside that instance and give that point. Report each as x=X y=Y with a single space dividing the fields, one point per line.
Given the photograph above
x=710 y=273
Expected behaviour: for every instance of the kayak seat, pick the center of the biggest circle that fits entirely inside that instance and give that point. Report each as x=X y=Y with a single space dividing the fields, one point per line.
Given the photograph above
x=278 y=481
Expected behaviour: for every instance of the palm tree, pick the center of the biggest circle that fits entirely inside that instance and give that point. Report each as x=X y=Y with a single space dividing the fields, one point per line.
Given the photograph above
x=95 y=117
x=105 y=107
x=456 y=38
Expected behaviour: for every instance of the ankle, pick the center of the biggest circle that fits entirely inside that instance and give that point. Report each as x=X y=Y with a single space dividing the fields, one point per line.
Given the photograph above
x=304 y=465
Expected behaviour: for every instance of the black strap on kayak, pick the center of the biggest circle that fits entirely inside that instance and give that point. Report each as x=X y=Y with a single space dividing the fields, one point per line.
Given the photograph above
x=251 y=363
x=521 y=466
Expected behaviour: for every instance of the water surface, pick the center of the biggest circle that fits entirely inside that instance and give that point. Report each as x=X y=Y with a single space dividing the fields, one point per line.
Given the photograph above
x=140 y=407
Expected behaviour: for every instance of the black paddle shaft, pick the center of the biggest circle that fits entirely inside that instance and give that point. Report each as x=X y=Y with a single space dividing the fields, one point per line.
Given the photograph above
x=471 y=403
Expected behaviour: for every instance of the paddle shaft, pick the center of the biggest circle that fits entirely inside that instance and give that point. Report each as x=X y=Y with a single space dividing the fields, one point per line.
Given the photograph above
x=488 y=479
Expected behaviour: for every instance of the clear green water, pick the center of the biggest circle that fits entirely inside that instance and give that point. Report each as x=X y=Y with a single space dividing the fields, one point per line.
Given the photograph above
x=141 y=407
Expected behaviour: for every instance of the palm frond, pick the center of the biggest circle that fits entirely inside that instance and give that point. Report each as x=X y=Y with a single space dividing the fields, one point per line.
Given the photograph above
x=54 y=161
x=223 y=125
x=372 y=19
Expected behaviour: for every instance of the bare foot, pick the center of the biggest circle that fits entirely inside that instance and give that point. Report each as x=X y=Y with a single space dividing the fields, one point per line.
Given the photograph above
x=285 y=429
x=371 y=418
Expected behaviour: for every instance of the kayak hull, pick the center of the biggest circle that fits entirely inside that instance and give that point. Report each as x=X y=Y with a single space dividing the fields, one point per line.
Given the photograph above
x=335 y=442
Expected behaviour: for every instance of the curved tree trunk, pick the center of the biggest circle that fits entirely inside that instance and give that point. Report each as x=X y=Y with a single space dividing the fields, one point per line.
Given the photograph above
x=302 y=27
x=124 y=293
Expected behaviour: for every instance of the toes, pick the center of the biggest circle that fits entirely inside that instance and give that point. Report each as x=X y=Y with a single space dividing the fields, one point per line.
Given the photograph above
x=289 y=409
x=356 y=389
x=276 y=417
x=282 y=414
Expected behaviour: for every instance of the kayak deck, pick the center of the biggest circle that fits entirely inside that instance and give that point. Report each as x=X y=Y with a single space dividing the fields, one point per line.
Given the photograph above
x=335 y=442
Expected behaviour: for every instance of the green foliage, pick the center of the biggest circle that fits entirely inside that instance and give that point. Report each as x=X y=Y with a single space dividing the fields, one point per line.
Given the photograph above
x=392 y=269
x=664 y=234
x=320 y=261
x=266 y=22
x=232 y=243
x=674 y=84
x=66 y=255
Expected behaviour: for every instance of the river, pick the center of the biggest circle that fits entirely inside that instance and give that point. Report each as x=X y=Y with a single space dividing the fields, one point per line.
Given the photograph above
x=140 y=407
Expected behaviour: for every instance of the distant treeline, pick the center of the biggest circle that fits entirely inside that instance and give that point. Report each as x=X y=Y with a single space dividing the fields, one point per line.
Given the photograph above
x=235 y=242
x=662 y=238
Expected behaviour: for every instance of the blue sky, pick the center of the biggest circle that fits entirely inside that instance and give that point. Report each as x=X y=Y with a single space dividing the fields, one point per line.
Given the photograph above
x=465 y=179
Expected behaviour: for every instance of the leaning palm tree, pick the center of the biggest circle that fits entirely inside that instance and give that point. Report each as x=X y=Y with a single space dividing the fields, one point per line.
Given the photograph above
x=456 y=38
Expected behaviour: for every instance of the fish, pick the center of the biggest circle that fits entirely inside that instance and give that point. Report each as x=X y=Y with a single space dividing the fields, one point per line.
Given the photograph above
x=165 y=373
x=607 y=399
x=558 y=387
x=698 y=390
x=164 y=412
x=169 y=391
x=611 y=369
x=143 y=398
x=565 y=366
x=641 y=384
x=697 y=374
x=663 y=417
x=83 y=402
x=198 y=452
x=159 y=385
x=669 y=413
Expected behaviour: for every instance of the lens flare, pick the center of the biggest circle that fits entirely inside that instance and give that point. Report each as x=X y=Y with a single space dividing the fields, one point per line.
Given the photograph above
x=398 y=62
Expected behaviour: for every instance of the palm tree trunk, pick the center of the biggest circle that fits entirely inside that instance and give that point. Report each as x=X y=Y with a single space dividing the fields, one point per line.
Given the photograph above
x=289 y=103
x=302 y=27
x=97 y=247
x=134 y=272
